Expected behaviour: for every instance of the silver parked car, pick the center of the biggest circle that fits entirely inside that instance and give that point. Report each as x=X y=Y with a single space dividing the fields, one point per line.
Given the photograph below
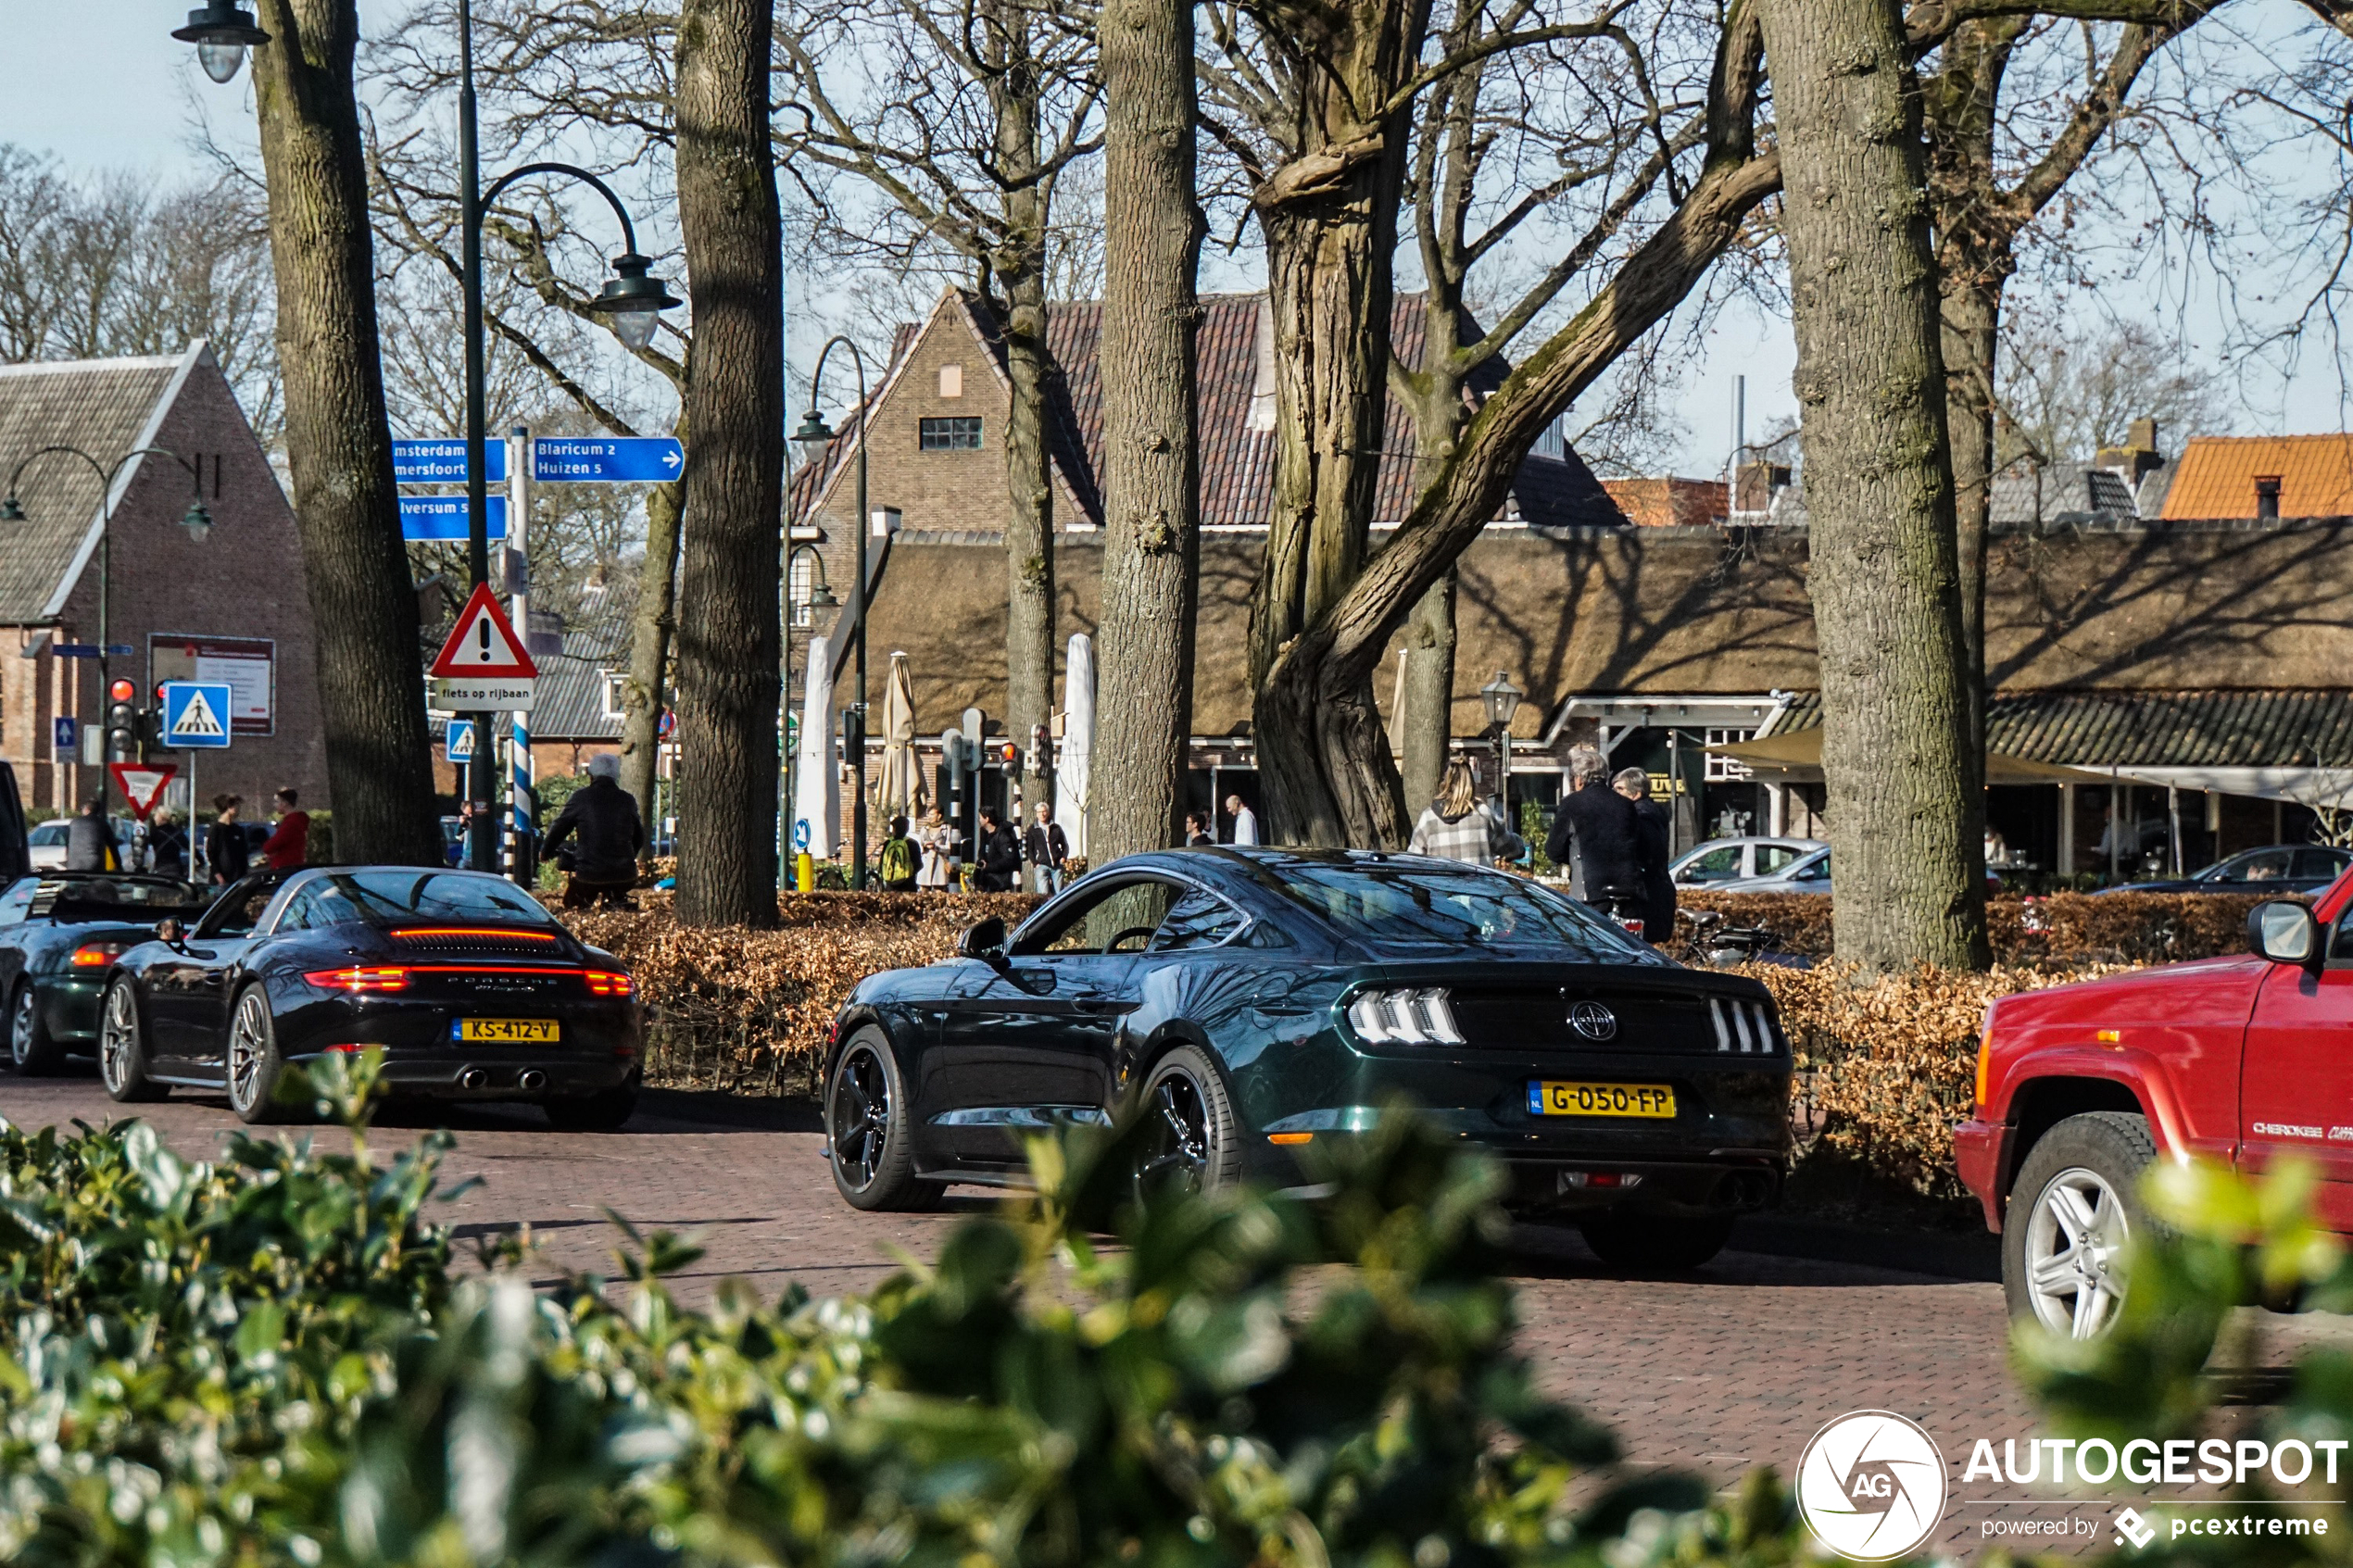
x=1810 y=872
x=1722 y=860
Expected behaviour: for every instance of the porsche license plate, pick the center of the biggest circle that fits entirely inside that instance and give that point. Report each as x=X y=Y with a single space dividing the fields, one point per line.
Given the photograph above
x=1652 y=1100
x=506 y=1031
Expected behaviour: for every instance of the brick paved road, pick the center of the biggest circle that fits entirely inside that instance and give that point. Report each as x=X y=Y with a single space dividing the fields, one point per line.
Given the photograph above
x=1733 y=1368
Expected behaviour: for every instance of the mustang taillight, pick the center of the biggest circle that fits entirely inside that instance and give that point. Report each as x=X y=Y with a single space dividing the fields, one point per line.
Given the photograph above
x=97 y=955
x=1404 y=1018
x=358 y=980
x=1742 y=1026
x=605 y=982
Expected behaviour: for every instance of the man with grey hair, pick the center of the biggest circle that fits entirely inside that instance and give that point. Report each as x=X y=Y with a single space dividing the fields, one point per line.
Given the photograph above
x=1651 y=841
x=604 y=868
x=1598 y=828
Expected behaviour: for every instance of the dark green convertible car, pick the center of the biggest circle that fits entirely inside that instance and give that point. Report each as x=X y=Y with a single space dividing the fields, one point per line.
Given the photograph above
x=1257 y=1000
x=60 y=933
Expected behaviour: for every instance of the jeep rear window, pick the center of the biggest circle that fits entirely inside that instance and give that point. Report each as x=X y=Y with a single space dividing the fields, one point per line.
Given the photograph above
x=1394 y=907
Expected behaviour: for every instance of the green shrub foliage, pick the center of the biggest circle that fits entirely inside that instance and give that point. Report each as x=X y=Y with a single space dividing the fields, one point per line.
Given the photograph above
x=265 y=1360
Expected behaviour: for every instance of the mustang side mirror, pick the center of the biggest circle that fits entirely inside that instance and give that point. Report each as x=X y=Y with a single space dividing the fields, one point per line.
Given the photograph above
x=984 y=941
x=171 y=931
x=2284 y=932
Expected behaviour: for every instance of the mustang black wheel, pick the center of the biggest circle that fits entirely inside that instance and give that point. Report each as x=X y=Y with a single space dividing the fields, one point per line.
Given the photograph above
x=122 y=1047
x=605 y=1111
x=30 y=1045
x=1190 y=1141
x=870 y=1132
x=254 y=1066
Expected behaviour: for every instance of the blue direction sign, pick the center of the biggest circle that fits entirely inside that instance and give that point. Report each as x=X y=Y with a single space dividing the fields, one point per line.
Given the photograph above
x=443 y=462
x=443 y=516
x=460 y=744
x=65 y=734
x=196 y=714
x=607 y=459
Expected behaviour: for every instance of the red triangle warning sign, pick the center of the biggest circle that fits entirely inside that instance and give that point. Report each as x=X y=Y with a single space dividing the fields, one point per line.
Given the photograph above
x=142 y=783
x=483 y=644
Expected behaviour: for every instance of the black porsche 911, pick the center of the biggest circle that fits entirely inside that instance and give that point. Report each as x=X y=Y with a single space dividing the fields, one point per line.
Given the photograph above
x=473 y=989
x=1258 y=1000
x=60 y=933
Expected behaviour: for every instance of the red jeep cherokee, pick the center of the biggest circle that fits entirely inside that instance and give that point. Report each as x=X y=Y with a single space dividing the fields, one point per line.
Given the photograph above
x=2242 y=1060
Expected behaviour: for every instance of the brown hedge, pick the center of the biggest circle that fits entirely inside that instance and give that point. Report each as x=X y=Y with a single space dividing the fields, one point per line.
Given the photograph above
x=2065 y=928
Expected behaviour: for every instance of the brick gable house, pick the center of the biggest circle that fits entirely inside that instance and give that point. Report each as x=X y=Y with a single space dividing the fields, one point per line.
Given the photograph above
x=231 y=606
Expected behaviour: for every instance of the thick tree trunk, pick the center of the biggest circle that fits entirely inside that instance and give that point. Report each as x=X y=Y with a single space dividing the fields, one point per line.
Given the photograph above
x=1904 y=820
x=1153 y=230
x=1029 y=522
x=729 y=628
x=338 y=439
x=1425 y=723
x=650 y=627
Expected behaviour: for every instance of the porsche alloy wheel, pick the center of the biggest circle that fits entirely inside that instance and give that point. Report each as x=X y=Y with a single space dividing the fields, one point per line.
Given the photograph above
x=122 y=1047
x=253 y=1062
x=30 y=1047
x=867 y=1129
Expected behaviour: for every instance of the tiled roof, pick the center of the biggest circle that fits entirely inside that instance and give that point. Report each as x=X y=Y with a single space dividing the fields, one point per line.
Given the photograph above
x=569 y=703
x=2218 y=729
x=1238 y=460
x=2024 y=494
x=2218 y=473
x=104 y=407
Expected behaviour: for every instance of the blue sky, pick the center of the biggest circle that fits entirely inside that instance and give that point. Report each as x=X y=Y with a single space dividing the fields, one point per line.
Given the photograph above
x=101 y=84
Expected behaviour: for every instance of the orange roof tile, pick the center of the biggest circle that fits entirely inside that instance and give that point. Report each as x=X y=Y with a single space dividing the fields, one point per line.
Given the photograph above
x=2218 y=474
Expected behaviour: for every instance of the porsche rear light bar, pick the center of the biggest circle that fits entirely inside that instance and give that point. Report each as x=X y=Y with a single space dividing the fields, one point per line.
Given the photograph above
x=1421 y=1017
x=359 y=981
x=493 y=934
x=607 y=982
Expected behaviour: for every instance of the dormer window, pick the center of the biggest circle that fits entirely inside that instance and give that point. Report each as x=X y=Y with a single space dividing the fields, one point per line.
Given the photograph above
x=2266 y=496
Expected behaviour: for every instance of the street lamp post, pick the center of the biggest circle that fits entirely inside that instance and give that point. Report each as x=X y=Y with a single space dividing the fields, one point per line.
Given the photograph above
x=816 y=438
x=1501 y=699
x=632 y=301
x=195 y=520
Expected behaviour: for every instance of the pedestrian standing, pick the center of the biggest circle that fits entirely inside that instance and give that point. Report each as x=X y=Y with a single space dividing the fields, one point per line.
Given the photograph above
x=939 y=840
x=1460 y=826
x=604 y=817
x=169 y=846
x=1598 y=824
x=288 y=845
x=899 y=861
x=1047 y=848
x=1197 y=829
x=999 y=853
x=227 y=851
x=90 y=841
x=1245 y=821
x=1651 y=842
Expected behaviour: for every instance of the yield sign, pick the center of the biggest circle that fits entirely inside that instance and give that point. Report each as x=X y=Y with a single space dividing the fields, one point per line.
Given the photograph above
x=142 y=783
x=483 y=644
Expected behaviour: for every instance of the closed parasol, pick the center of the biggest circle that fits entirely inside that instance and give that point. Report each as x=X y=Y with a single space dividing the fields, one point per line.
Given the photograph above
x=1078 y=742
x=901 y=786
x=817 y=806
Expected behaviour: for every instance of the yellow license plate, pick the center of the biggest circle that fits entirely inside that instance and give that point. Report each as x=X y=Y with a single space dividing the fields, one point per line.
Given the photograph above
x=1653 y=1100
x=510 y=1030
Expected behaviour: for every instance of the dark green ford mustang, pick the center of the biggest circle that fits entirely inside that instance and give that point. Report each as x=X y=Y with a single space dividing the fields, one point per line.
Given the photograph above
x=1256 y=1000
x=60 y=933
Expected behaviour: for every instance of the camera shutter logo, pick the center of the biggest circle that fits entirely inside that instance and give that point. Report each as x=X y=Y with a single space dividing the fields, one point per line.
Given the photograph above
x=1593 y=1021
x=1872 y=1485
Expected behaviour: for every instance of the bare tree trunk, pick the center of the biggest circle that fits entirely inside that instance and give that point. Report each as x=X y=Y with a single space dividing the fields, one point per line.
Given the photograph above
x=1424 y=725
x=650 y=626
x=1971 y=308
x=1029 y=520
x=1904 y=819
x=728 y=632
x=338 y=439
x=1153 y=230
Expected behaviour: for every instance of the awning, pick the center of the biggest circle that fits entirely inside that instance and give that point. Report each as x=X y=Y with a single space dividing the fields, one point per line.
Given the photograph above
x=1796 y=758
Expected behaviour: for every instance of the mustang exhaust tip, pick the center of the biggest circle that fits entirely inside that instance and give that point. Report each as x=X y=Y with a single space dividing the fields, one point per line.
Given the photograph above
x=532 y=1082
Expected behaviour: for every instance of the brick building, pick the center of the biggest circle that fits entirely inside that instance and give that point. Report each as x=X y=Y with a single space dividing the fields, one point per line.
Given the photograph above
x=229 y=607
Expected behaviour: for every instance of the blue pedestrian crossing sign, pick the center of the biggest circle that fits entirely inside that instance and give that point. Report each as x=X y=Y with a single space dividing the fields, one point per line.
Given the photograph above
x=459 y=745
x=196 y=714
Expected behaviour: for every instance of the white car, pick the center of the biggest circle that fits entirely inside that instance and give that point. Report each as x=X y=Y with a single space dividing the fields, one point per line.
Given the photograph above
x=47 y=840
x=1722 y=860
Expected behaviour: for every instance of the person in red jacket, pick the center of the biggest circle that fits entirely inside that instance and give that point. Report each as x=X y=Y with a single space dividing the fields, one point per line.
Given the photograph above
x=289 y=843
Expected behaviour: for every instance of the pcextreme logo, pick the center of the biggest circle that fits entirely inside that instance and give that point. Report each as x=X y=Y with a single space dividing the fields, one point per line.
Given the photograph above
x=1872 y=1485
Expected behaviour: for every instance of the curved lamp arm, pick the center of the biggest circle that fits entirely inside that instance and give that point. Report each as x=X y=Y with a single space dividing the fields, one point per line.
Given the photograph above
x=498 y=188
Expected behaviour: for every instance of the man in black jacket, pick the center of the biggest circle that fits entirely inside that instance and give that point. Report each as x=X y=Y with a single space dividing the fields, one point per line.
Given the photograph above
x=999 y=853
x=1602 y=826
x=1650 y=845
x=604 y=868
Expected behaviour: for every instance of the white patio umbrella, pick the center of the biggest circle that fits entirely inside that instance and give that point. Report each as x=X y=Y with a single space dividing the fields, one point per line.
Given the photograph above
x=817 y=783
x=1078 y=741
x=902 y=783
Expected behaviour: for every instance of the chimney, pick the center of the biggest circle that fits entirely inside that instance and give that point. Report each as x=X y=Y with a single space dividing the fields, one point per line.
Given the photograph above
x=2133 y=460
x=2266 y=496
x=1756 y=483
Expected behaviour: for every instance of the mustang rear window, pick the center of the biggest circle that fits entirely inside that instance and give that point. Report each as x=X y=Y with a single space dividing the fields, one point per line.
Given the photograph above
x=98 y=897
x=403 y=896
x=1457 y=909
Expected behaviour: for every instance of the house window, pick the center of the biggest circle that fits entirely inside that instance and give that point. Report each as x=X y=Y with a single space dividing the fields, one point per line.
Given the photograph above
x=2266 y=496
x=958 y=433
x=799 y=588
x=951 y=381
x=616 y=694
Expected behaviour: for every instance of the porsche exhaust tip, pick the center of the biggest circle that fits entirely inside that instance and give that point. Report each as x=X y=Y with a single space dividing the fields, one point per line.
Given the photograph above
x=532 y=1081
x=473 y=1078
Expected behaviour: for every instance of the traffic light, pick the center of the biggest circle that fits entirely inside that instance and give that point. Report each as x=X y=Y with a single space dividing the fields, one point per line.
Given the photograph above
x=122 y=717
x=1007 y=756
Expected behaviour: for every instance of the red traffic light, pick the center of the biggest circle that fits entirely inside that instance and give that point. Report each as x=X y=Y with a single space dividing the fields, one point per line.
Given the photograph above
x=122 y=691
x=1008 y=754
